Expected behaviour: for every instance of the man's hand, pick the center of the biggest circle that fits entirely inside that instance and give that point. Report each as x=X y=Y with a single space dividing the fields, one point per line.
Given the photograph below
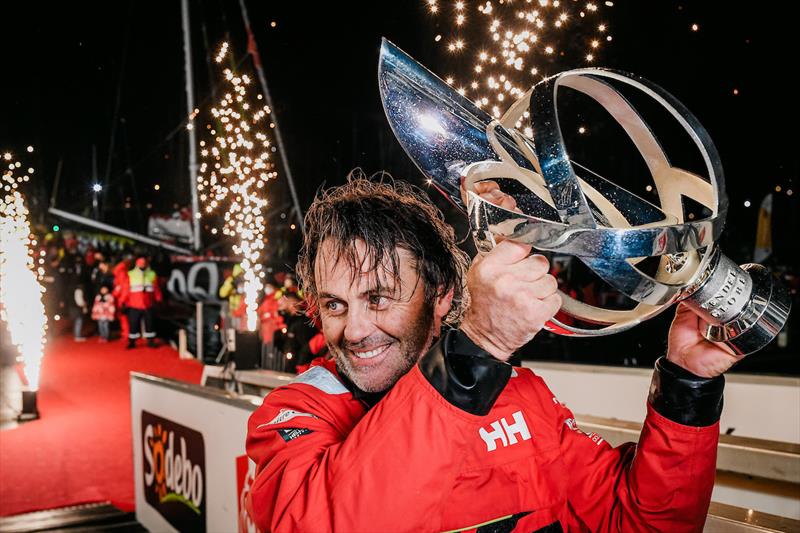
x=511 y=291
x=490 y=191
x=512 y=297
x=688 y=348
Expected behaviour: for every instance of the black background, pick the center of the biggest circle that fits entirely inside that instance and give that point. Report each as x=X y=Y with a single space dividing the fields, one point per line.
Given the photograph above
x=64 y=64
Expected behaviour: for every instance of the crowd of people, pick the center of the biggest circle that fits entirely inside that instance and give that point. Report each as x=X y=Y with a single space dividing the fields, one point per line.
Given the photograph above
x=89 y=279
x=106 y=290
x=289 y=338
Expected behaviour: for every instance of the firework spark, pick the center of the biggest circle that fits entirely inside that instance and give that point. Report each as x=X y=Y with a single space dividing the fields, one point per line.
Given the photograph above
x=20 y=291
x=234 y=172
x=513 y=41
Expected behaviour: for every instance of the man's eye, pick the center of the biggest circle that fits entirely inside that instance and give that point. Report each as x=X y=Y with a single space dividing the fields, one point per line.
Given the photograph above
x=334 y=306
x=378 y=301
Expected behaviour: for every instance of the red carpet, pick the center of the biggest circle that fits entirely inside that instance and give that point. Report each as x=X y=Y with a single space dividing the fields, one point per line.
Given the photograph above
x=80 y=450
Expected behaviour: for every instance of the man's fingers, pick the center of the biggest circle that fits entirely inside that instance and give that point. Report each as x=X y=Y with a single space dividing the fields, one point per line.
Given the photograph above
x=500 y=199
x=490 y=191
x=544 y=287
x=554 y=302
x=532 y=267
x=484 y=187
x=508 y=253
x=506 y=201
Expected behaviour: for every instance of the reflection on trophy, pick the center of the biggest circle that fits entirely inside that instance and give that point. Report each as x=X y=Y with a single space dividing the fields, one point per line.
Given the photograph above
x=649 y=251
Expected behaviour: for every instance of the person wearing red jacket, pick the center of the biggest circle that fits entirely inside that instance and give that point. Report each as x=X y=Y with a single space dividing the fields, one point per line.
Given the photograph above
x=140 y=292
x=120 y=280
x=407 y=429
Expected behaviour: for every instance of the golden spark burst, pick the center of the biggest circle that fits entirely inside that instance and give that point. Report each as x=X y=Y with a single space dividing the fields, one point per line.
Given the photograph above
x=21 y=292
x=511 y=42
x=235 y=168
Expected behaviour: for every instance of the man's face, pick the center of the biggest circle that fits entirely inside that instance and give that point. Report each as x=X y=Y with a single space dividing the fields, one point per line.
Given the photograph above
x=376 y=327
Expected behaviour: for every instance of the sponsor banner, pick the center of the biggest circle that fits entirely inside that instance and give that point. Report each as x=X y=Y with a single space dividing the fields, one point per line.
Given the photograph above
x=197 y=281
x=174 y=472
x=190 y=464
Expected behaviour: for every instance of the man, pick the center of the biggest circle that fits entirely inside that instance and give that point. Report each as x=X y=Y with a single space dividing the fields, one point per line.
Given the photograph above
x=120 y=274
x=293 y=339
x=232 y=289
x=408 y=430
x=140 y=293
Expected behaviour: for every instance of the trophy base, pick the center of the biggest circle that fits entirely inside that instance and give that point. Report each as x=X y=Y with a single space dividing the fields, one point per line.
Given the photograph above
x=760 y=319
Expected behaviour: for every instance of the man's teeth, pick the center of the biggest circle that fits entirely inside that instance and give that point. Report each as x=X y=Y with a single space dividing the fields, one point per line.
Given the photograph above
x=372 y=353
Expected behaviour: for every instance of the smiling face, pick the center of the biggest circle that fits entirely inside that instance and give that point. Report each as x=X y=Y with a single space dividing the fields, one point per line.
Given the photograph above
x=376 y=324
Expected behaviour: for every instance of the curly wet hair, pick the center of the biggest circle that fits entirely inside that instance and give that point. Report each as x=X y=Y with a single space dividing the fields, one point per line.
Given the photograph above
x=385 y=214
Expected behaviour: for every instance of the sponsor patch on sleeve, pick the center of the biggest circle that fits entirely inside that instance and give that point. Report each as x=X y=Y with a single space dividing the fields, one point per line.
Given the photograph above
x=573 y=425
x=284 y=415
x=289 y=434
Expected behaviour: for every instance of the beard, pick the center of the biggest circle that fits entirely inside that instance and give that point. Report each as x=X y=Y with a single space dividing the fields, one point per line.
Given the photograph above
x=408 y=346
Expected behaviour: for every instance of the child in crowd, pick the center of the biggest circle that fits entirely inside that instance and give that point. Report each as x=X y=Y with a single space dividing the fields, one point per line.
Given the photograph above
x=103 y=312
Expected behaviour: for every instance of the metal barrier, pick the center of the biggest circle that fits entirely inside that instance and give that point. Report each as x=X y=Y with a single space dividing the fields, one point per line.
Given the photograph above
x=752 y=473
x=729 y=519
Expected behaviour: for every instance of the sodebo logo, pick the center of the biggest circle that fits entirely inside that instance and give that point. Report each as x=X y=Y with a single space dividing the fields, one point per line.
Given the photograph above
x=174 y=471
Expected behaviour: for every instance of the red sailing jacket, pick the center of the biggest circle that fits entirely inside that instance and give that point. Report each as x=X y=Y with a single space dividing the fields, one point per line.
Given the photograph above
x=415 y=462
x=140 y=289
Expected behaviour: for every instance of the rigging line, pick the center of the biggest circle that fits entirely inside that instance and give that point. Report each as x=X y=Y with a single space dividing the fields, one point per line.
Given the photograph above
x=180 y=127
x=118 y=98
x=207 y=50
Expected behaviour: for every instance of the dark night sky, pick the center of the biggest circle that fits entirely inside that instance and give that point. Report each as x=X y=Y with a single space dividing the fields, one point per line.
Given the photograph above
x=65 y=61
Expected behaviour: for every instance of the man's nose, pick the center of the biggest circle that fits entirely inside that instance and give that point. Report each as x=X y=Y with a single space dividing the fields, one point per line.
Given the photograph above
x=359 y=324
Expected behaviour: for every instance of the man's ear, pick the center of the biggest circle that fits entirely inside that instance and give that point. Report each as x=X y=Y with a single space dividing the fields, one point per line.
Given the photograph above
x=444 y=301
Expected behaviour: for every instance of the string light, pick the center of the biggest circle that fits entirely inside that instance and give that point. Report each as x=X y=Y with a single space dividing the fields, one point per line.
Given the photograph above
x=510 y=39
x=21 y=292
x=234 y=171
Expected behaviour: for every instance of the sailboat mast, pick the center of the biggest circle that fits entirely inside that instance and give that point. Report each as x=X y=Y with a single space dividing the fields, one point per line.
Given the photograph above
x=252 y=48
x=187 y=50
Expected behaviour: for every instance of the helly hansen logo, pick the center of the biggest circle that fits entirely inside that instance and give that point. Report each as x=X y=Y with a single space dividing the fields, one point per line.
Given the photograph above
x=504 y=432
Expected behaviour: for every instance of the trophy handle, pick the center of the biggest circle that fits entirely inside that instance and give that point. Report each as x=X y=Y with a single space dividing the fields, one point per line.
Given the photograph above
x=744 y=307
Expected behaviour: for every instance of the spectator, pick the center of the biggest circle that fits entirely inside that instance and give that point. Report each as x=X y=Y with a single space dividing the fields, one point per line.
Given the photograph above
x=101 y=277
x=52 y=284
x=78 y=309
x=293 y=339
x=270 y=321
x=232 y=289
x=120 y=274
x=103 y=312
x=140 y=293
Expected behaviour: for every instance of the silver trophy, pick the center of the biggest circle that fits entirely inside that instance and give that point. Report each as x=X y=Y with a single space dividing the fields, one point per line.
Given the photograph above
x=567 y=209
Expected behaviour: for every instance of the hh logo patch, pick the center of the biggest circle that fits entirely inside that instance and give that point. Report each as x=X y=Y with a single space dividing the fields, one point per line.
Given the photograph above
x=292 y=433
x=504 y=432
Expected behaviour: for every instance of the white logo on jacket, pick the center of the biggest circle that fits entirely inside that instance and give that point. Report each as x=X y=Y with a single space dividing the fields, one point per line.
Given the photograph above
x=504 y=432
x=283 y=416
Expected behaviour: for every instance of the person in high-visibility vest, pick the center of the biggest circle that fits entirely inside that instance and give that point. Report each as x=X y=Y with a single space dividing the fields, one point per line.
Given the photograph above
x=140 y=293
x=233 y=289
